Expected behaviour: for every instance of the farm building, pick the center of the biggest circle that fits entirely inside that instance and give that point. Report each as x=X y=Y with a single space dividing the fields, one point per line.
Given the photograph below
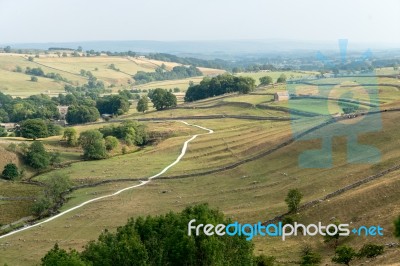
x=281 y=96
x=9 y=126
x=63 y=110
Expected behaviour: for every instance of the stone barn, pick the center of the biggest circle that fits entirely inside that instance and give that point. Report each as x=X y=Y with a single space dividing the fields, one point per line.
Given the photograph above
x=281 y=96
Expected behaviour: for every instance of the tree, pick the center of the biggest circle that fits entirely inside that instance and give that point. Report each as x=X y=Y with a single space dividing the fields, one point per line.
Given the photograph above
x=93 y=145
x=71 y=137
x=60 y=257
x=344 y=254
x=370 y=250
x=33 y=129
x=293 y=199
x=34 y=79
x=282 y=78
x=266 y=80
x=10 y=172
x=111 y=143
x=37 y=157
x=309 y=257
x=41 y=205
x=55 y=158
x=264 y=260
x=143 y=104
x=397 y=227
x=7 y=49
x=162 y=99
x=333 y=237
x=3 y=132
x=57 y=184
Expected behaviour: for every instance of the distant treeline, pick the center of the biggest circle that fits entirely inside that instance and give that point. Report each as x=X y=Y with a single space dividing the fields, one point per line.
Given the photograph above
x=210 y=87
x=60 y=49
x=178 y=72
x=214 y=63
x=231 y=66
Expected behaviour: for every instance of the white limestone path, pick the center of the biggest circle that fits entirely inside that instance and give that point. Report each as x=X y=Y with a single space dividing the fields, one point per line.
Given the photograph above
x=142 y=183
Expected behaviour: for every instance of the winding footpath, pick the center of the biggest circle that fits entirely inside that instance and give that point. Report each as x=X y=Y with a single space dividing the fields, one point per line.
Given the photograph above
x=142 y=183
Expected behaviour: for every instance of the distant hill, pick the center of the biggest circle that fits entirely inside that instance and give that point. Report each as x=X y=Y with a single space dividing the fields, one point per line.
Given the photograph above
x=221 y=49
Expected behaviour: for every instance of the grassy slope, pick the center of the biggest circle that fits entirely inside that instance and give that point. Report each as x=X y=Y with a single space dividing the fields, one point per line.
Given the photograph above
x=19 y=84
x=250 y=192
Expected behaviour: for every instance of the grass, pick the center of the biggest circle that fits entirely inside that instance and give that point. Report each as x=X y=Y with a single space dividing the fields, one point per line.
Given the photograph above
x=181 y=84
x=20 y=205
x=251 y=192
x=19 y=84
x=275 y=74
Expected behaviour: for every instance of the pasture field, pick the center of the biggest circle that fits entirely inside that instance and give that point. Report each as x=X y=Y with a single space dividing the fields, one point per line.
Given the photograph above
x=275 y=75
x=250 y=192
x=19 y=84
x=181 y=84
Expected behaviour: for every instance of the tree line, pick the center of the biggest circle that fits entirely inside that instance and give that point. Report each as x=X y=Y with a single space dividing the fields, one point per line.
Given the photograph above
x=178 y=72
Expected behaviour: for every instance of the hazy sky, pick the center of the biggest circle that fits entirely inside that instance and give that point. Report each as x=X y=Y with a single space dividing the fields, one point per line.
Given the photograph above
x=86 y=20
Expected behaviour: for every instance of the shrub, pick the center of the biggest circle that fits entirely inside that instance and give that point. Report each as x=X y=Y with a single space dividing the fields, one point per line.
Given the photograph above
x=371 y=250
x=10 y=172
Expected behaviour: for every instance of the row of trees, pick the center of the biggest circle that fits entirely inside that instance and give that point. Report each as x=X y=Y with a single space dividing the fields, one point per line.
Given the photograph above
x=38 y=72
x=210 y=87
x=267 y=80
x=178 y=72
x=84 y=101
x=160 y=240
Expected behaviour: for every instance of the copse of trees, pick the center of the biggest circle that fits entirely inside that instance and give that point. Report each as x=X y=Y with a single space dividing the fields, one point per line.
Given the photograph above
x=161 y=240
x=210 y=87
x=78 y=114
x=178 y=72
x=38 y=72
x=35 y=106
x=38 y=128
x=112 y=104
x=162 y=99
x=131 y=132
